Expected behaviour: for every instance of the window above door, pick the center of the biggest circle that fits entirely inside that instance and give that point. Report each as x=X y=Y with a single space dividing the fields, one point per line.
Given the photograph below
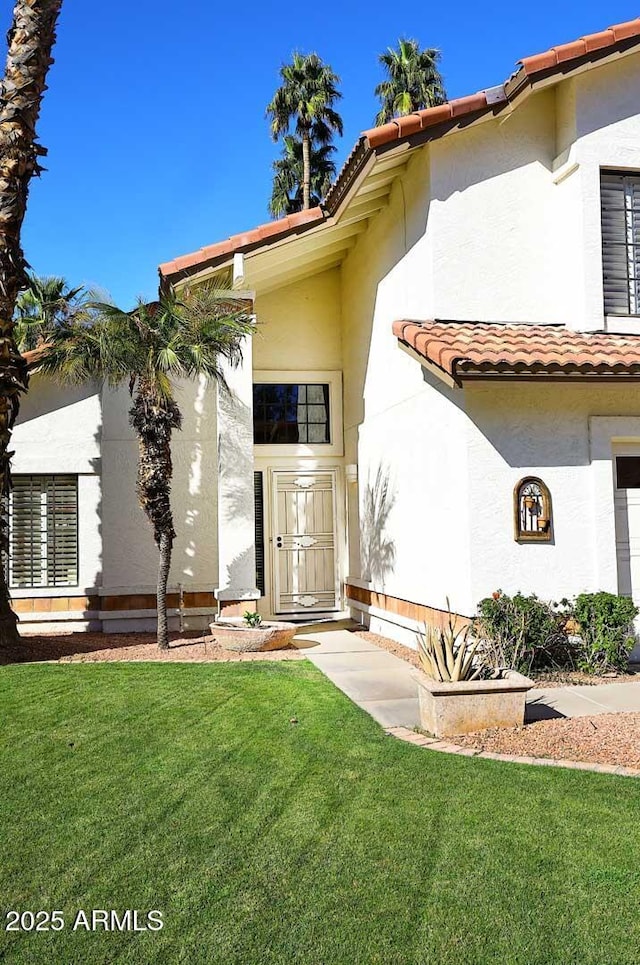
x=286 y=413
x=297 y=413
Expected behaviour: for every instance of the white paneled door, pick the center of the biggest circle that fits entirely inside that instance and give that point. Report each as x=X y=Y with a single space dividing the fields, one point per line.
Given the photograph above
x=305 y=571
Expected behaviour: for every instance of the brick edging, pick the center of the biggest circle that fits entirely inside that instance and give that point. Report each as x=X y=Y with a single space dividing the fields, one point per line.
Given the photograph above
x=433 y=744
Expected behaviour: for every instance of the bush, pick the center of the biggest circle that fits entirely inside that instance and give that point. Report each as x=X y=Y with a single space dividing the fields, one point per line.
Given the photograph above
x=606 y=631
x=523 y=632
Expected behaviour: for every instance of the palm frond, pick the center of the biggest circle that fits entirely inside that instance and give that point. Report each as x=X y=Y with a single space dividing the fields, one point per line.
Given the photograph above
x=413 y=80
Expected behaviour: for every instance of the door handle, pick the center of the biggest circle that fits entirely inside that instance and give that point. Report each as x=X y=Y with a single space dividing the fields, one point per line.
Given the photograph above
x=279 y=542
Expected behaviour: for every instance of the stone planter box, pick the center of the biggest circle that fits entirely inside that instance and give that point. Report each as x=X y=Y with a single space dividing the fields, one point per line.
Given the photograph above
x=447 y=709
x=234 y=634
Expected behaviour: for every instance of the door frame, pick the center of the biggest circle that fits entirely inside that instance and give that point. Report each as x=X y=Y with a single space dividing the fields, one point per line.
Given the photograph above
x=607 y=433
x=267 y=466
x=333 y=472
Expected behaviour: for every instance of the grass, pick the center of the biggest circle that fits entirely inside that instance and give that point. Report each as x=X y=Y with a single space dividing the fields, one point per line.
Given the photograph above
x=186 y=788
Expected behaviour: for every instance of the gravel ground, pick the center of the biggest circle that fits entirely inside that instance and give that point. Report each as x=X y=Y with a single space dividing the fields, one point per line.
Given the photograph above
x=397 y=649
x=101 y=647
x=560 y=678
x=605 y=739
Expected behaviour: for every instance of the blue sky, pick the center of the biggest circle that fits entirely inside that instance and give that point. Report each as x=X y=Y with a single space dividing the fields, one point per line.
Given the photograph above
x=154 y=117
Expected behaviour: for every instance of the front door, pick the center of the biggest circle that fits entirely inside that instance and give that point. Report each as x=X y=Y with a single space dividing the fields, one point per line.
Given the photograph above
x=305 y=573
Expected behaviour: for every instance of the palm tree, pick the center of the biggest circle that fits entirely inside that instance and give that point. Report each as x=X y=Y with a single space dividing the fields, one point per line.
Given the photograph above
x=45 y=302
x=288 y=177
x=29 y=44
x=306 y=99
x=413 y=80
x=149 y=349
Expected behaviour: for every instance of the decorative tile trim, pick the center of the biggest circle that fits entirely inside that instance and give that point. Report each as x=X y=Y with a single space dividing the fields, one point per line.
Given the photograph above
x=418 y=612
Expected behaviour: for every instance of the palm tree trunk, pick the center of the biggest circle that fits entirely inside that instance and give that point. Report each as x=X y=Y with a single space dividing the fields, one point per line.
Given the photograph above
x=164 y=565
x=30 y=41
x=306 y=171
x=154 y=420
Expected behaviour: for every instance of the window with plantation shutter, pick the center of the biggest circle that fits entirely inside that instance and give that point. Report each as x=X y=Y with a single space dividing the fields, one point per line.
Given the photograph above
x=43 y=531
x=620 y=204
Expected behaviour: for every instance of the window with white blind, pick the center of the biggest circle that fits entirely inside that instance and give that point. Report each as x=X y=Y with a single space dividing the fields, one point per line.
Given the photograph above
x=620 y=204
x=43 y=531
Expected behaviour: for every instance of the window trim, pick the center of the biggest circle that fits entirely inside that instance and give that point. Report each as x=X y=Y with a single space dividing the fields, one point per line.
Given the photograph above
x=298 y=377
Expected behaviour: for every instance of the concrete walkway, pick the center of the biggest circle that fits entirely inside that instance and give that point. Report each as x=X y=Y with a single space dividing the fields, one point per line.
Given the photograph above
x=383 y=685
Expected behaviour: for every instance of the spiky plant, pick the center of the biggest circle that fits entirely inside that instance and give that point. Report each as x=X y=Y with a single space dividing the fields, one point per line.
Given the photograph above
x=413 y=80
x=29 y=44
x=450 y=653
x=306 y=100
x=179 y=337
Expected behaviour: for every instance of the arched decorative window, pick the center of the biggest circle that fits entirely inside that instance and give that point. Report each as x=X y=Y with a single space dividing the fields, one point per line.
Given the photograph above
x=533 y=514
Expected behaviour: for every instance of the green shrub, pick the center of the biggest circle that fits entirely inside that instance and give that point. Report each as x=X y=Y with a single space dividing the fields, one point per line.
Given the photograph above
x=606 y=631
x=252 y=619
x=523 y=632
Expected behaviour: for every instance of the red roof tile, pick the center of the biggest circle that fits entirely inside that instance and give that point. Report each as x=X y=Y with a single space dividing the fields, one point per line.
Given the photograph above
x=420 y=120
x=461 y=349
x=579 y=48
x=271 y=230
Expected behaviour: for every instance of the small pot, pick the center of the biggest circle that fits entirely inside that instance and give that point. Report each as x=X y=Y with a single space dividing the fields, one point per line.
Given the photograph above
x=529 y=502
x=543 y=523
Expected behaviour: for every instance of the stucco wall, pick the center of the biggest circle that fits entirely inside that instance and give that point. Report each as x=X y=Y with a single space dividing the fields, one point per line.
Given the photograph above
x=521 y=429
x=130 y=556
x=85 y=431
x=406 y=533
x=492 y=219
x=299 y=325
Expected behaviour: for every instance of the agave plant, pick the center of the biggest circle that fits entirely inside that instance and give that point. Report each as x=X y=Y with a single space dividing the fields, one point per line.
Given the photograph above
x=450 y=653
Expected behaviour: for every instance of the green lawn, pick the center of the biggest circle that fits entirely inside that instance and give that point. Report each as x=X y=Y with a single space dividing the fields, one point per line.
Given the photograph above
x=185 y=788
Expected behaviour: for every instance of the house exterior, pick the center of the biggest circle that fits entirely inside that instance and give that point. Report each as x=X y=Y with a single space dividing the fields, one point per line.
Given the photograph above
x=442 y=398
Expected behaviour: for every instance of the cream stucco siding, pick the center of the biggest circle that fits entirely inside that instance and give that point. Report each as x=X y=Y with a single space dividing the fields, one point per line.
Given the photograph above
x=85 y=431
x=400 y=427
x=492 y=218
x=130 y=555
x=299 y=325
x=542 y=430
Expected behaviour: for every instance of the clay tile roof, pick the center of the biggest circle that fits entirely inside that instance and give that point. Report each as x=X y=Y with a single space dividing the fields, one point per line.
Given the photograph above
x=461 y=349
x=272 y=230
x=430 y=117
x=580 y=48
